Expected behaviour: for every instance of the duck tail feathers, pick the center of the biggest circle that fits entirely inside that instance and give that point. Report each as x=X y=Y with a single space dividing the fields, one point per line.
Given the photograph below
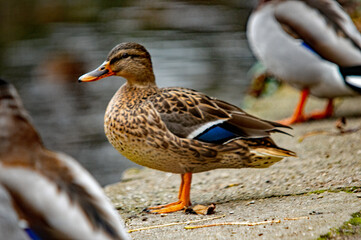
x=352 y=77
x=274 y=152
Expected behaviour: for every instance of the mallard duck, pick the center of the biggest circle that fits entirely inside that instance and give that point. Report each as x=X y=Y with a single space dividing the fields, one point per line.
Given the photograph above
x=312 y=45
x=179 y=130
x=50 y=191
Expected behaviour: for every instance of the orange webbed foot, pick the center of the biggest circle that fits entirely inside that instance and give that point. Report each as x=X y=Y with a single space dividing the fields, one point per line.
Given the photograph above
x=293 y=119
x=168 y=208
x=298 y=115
x=328 y=112
x=184 y=198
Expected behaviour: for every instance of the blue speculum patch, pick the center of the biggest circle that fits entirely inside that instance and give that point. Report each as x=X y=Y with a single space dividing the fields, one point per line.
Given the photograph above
x=215 y=134
x=32 y=234
x=309 y=47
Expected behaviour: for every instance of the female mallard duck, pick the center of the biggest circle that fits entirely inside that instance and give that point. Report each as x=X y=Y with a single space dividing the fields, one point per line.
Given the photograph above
x=50 y=191
x=179 y=130
x=312 y=45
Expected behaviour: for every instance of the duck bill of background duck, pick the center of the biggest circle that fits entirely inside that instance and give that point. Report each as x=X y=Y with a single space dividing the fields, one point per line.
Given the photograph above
x=101 y=72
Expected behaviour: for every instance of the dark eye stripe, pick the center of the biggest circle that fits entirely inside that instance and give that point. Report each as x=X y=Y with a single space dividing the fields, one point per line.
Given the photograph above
x=123 y=56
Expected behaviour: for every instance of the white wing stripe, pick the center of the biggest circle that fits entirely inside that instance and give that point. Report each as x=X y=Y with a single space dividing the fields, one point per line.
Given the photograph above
x=354 y=81
x=204 y=127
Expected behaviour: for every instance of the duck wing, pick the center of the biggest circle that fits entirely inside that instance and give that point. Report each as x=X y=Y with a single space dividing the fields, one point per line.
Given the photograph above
x=324 y=28
x=193 y=115
x=335 y=13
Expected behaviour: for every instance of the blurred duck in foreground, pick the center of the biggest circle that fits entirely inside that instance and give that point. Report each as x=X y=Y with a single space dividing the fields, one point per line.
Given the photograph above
x=9 y=222
x=179 y=130
x=50 y=191
x=312 y=45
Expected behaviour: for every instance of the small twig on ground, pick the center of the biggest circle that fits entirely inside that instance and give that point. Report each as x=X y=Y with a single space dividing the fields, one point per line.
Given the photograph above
x=297 y=218
x=174 y=223
x=233 y=223
x=244 y=223
x=340 y=126
x=313 y=133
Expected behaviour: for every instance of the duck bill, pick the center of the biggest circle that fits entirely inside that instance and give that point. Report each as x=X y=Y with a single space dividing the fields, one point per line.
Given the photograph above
x=101 y=72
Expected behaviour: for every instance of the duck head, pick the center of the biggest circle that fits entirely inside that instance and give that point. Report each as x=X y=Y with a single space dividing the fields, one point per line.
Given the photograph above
x=128 y=60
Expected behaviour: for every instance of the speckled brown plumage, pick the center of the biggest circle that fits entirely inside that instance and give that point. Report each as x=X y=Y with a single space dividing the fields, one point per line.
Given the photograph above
x=145 y=126
x=163 y=128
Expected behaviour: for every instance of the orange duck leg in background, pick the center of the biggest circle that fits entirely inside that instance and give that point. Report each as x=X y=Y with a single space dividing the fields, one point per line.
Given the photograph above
x=298 y=115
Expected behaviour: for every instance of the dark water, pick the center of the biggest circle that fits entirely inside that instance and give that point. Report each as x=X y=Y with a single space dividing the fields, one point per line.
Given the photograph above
x=193 y=44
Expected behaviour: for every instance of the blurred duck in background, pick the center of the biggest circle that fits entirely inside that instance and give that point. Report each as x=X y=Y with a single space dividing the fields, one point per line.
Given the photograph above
x=51 y=193
x=312 y=45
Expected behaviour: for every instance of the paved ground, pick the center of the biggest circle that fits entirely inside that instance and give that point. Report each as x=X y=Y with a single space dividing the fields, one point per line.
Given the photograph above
x=321 y=188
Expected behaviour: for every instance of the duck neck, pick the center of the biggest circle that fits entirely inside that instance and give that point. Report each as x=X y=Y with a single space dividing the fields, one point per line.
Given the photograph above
x=141 y=80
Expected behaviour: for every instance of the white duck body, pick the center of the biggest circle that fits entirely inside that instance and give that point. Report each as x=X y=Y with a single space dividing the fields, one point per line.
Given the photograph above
x=311 y=53
x=9 y=221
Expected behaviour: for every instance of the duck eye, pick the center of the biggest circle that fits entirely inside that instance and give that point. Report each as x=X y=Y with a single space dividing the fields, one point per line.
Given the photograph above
x=125 y=55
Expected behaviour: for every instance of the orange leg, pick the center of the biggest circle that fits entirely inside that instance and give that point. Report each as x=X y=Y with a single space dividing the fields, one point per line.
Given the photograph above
x=298 y=115
x=183 y=197
x=323 y=114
